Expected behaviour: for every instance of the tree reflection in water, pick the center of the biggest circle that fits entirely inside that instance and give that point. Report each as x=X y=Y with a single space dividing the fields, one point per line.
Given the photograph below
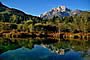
x=60 y=47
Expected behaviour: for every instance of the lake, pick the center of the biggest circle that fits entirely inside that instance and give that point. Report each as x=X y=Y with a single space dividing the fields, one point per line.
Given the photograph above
x=44 y=49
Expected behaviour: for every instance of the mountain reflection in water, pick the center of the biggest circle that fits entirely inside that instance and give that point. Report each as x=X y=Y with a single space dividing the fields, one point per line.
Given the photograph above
x=38 y=53
x=44 y=49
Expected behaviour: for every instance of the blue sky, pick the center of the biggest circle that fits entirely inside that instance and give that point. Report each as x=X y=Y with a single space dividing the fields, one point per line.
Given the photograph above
x=37 y=7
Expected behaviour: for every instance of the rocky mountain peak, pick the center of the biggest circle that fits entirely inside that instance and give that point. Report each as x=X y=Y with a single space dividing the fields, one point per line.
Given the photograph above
x=61 y=11
x=62 y=8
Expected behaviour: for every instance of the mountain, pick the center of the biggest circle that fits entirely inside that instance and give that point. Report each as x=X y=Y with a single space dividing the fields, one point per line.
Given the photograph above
x=61 y=11
x=15 y=16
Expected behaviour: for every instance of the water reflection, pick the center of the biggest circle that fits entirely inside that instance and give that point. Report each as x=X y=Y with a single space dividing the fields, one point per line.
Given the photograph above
x=38 y=53
x=44 y=49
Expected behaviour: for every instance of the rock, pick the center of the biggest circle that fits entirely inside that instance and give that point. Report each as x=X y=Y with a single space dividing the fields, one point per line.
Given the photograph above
x=61 y=11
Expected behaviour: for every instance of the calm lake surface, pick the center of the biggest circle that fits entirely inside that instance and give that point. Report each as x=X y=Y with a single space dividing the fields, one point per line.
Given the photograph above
x=44 y=49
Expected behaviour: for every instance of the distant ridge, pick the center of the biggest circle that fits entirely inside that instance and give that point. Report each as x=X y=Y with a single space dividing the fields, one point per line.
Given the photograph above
x=1 y=5
x=61 y=11
x=14 y=15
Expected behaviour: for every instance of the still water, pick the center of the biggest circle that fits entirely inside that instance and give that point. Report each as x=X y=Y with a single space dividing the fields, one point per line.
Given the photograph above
x=43 y=49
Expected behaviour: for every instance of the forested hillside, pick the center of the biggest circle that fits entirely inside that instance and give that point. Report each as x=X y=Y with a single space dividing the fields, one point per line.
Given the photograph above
x=15 y=20
x=15 y=16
